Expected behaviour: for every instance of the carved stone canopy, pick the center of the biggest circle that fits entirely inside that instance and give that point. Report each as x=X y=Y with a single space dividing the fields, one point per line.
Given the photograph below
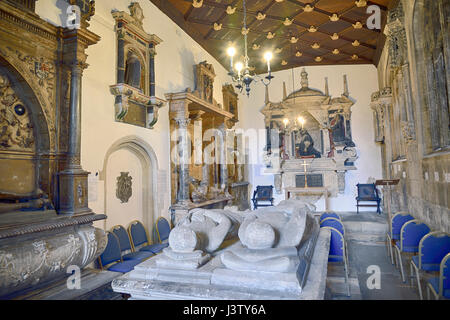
x=204 y=84
x=230 y=101
x=380 y=101
x=135 y=100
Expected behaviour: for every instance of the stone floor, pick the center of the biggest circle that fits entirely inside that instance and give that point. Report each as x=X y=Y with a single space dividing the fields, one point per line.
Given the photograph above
x=366 y=247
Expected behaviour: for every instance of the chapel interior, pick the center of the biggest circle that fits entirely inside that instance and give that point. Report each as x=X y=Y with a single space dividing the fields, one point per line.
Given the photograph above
x=224 y=149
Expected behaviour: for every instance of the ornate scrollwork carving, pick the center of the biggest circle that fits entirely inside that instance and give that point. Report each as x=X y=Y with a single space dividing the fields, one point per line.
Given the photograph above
x=408 y=132
x=16 y=129
x=395 y=31
x=40 y=76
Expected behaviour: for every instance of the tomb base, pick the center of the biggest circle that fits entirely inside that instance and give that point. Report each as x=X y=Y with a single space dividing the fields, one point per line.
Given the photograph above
x=213 y=281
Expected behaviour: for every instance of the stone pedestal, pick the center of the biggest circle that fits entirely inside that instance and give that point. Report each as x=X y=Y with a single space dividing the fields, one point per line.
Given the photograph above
x=41 y=251
x=213 y=281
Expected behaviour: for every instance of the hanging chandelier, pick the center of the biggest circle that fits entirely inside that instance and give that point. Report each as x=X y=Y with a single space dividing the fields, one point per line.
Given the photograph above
x=240 y=72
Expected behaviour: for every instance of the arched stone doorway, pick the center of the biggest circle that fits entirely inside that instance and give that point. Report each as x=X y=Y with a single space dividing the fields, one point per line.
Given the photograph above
x=130 y=157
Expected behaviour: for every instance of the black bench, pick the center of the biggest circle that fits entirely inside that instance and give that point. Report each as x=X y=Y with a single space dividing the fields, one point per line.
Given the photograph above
x=263 y=194
x=367 y=193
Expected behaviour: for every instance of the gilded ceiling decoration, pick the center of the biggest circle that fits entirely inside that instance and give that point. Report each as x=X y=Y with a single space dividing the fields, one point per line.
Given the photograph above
x=325 y=32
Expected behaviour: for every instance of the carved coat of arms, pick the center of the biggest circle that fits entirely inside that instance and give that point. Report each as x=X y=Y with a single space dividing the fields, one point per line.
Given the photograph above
x=124 y=187
x=41 y=69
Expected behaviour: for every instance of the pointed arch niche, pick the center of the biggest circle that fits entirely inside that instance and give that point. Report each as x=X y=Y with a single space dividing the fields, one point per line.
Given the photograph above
x=146 y=183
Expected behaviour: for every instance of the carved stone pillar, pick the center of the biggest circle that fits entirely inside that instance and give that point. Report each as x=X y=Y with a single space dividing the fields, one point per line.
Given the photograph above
x=341 y=181
x=196 y=118
x=73 y=186
x=326 y=140
x=183 y=149
x=223 y=159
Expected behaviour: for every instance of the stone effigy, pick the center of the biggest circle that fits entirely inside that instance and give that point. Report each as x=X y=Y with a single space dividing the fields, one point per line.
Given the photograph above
x=198 y=234
x=230 y=254
x=269 y=239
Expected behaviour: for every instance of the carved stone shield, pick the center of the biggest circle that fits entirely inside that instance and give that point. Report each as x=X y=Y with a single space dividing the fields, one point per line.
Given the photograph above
x=124 y=187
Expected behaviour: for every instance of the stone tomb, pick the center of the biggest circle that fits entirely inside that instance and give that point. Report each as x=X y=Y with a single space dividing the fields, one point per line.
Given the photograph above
x=224 y=254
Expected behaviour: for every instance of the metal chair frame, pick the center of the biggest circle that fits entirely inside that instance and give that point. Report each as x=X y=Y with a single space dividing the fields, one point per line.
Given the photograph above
x=439 y=295
x=416 y=269
x=131 y=238
x=400 y=250
x=157 y=229
x=344 y=257
x=389 y=243
x=334 y=213
x=102 y=267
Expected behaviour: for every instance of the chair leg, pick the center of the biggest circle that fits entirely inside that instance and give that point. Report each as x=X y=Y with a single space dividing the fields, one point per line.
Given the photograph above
x=399 y=256
x=411 y=275
x=419 y=286
x=395 y=256
x=346 y=277
x=436 y=296
x=389 y=247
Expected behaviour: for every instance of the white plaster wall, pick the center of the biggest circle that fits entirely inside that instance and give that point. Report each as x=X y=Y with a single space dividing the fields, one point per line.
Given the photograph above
x=174 y=62
x=120 y=213
x=363 y=80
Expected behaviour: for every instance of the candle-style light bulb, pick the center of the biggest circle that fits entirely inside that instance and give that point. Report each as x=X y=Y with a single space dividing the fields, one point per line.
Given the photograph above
x=286 y=122
x=231 y=51
x=268 y=56
x=239 y=66
x=301 y=120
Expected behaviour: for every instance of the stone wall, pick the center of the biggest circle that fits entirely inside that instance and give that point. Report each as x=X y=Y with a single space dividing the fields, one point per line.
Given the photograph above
x=413 y=78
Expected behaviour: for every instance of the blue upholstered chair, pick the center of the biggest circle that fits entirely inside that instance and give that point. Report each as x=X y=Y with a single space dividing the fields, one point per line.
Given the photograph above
x=410 y=235
x=338 y=252
x=126 y=249
x=263 y=194
x=325 y=215
x=367 y=193
x=432 y=249
x=393 y=235
x=163 y=230
x=140 y=240
x=334 y=223
x=111 y=258
x=440 y=286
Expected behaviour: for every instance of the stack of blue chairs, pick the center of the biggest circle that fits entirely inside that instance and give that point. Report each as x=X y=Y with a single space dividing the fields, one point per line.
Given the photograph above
x=140 y=240
x=338 y=246
x=127 y=251
x=410 y=235
x=393 y=235
x=440 y=286
x=111 y=258
x=433 y=247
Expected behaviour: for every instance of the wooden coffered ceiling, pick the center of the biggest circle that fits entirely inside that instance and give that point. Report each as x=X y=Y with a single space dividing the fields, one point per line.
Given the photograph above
x=214 y=28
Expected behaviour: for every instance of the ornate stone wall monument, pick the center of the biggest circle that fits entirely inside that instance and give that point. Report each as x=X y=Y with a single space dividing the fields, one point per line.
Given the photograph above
x=310 y=132
x=203 y=146
x=45 y=221
x=135 y=101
